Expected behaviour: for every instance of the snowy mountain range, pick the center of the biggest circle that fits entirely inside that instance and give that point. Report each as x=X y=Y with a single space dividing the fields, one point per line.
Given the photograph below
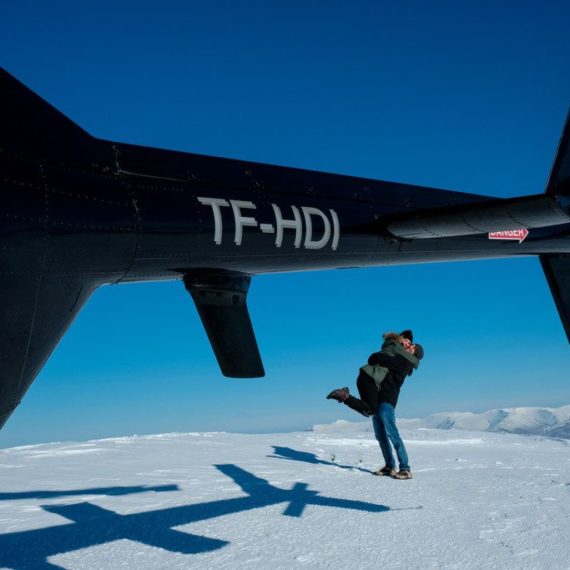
x=548 y=422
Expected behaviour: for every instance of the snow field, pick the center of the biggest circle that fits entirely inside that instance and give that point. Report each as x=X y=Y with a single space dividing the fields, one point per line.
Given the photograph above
x=306 y=499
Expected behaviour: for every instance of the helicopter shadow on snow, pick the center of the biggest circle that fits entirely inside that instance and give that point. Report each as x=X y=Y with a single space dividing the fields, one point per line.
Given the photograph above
x=88 y=525
x=108 y=491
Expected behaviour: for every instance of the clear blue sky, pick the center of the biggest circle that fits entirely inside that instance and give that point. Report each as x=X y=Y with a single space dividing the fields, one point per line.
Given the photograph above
x=465 y=95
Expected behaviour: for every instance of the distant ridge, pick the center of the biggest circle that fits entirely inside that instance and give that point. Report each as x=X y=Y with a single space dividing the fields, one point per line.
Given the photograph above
x=547 y=422
x=550 y=422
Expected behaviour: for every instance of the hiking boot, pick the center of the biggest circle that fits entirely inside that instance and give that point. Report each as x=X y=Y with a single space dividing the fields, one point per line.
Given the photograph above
x=340 y=395
x=402 y=474
x=385 y=472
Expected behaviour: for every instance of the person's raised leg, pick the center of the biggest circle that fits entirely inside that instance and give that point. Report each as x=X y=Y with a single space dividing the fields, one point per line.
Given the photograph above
x=368 y=392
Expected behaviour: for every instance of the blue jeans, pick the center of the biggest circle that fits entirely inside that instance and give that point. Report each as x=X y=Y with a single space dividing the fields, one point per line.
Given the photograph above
x=385 y=430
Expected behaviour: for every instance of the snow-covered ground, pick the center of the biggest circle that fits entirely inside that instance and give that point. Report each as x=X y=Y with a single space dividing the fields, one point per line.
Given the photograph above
x=305 y=499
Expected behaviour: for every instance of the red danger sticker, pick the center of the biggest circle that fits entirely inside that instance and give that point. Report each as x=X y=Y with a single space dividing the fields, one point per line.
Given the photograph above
x=517 y=235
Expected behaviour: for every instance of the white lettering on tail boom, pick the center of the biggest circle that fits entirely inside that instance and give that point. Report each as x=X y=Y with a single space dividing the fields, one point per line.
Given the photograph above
x=281 y=223
x=516 y=235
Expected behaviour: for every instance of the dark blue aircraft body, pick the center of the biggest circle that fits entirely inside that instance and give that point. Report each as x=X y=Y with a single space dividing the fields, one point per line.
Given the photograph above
x=78 y=212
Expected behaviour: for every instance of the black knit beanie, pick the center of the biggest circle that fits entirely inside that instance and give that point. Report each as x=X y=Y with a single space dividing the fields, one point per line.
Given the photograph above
x=408 y=334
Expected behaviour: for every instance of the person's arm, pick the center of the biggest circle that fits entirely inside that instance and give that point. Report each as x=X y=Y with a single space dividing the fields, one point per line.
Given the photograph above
x=395 y=363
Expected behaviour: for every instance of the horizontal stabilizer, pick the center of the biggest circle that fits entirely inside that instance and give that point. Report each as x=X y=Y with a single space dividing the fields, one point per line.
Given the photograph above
x=490 y=216
x=557 y=271
x=220 y=298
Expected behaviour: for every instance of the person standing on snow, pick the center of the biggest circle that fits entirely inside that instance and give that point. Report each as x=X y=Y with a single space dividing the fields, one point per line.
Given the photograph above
x=380 y=402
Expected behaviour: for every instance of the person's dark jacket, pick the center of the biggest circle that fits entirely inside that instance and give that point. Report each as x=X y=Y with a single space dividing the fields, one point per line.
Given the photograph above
x=398 y=368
